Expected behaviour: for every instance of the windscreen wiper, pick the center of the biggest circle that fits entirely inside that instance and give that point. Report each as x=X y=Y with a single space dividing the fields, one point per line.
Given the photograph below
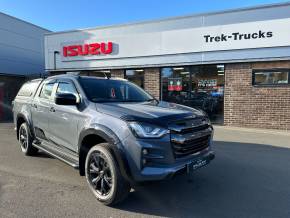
x=153 y=99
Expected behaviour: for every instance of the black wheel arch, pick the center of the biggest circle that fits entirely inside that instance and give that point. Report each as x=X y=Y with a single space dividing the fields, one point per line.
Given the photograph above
x=105 y=135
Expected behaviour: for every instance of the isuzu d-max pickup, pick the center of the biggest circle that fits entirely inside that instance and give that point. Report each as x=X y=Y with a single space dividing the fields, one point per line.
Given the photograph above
x=111 y=130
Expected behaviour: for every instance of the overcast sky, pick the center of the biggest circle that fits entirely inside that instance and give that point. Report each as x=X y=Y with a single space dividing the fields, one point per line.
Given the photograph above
x=57 y=15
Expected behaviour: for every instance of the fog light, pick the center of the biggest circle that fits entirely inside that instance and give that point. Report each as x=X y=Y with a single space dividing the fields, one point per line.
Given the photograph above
x=144 y=151
x=144 y=161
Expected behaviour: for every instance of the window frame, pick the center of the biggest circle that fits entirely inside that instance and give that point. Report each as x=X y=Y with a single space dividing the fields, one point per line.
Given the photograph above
x=254 y=71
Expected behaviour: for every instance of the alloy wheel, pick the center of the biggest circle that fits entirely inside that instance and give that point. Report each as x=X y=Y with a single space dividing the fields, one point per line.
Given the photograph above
x=23 y=138
x=99 y=173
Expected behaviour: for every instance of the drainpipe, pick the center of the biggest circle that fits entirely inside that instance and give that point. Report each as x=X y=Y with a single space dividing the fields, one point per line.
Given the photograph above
x=54 y=58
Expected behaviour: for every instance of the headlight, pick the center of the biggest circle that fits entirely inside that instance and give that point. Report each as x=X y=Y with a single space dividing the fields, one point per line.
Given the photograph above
x=145 y=130
x=207 y=120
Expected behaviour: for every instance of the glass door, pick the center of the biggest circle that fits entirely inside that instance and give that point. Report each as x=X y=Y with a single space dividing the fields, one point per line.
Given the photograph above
x=208 y=90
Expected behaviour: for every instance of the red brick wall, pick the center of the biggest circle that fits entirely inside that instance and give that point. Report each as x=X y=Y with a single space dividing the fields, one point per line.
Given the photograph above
x=152 y=81
x=258 y=107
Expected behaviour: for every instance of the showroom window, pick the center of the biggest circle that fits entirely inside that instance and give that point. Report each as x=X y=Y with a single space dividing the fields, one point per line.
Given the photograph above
x=175 y=83
x=271 y=77
x=136 y=76
x=199 y=87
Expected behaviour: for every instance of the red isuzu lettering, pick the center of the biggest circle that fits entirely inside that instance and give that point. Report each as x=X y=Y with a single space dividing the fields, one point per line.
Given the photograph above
x=88 y=49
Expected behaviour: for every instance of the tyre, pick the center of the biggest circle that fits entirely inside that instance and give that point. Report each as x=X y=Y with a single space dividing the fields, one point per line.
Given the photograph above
x=104 y=177
x=25 y=140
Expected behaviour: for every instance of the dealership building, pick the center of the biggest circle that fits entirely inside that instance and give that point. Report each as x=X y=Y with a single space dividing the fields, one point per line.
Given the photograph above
x=233 y=64
x=21 y=58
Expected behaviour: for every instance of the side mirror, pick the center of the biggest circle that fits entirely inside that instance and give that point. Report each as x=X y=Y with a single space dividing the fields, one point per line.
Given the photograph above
x=65 y=99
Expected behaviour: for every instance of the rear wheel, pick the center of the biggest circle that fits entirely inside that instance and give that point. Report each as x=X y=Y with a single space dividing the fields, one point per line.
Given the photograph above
x=104 y=177
x=25 y=140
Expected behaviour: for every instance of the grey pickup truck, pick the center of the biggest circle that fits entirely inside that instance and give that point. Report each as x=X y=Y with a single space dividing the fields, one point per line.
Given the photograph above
x=111 y=130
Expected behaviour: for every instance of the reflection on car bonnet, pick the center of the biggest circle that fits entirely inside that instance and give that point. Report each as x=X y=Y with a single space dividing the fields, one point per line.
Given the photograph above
x=113 y=93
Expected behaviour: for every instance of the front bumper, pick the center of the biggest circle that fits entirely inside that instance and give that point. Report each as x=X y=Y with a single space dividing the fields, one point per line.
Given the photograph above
x=160 y=161
x=166 y=172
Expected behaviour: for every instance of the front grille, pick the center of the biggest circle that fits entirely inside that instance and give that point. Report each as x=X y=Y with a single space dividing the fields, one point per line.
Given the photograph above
x=195 y=129
x=187 y=140
x=194 y=146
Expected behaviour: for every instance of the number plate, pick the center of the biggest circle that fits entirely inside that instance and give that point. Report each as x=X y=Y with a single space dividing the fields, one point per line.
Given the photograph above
x=197 y=164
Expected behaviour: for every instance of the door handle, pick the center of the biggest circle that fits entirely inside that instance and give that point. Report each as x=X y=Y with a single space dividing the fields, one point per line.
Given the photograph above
x=52 y=109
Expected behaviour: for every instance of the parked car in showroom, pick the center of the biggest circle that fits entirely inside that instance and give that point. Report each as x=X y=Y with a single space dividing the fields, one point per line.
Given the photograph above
x=201 y=100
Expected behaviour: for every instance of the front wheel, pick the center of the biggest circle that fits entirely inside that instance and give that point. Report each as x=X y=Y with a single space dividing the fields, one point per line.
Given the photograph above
x=104 y=177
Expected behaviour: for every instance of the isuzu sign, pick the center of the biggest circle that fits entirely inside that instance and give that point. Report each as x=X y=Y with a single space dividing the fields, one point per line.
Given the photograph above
x=100 y=48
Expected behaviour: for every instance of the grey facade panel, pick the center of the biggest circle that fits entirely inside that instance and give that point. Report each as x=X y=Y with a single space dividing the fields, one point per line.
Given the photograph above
x=16 y=40
x=10 y=67
x=21 y=47
x=247 y=55
x=20 y=27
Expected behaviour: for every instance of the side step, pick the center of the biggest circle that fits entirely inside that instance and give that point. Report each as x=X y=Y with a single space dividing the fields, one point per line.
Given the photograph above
x=61 y=153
